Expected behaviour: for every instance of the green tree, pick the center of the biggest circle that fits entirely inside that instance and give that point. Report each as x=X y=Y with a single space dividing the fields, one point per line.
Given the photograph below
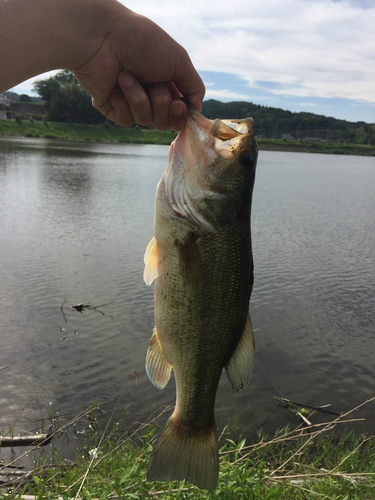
x=297 y=124
x=66 y=101
x=25 y=98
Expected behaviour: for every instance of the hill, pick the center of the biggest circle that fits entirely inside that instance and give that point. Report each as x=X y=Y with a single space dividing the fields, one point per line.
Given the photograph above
x=276 y=123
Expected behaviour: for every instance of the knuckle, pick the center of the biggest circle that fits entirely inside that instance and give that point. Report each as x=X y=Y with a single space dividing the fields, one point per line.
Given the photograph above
x=160 y=126
x=137 y=99
x=124 y=121
x=162 y=100
x=143 y=122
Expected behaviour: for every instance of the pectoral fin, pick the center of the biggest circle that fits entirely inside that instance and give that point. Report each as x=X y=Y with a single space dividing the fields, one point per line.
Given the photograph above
x=151 y=260
x=158 y=368
x=239 y=368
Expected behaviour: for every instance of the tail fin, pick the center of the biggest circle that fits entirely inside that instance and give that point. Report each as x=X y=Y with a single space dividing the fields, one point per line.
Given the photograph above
x=179 y=455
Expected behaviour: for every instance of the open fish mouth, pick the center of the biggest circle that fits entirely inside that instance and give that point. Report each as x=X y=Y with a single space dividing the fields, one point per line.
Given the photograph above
x=205 y=138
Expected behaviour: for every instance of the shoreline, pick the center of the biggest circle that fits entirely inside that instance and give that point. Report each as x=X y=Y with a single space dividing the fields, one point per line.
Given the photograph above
x=108 y=133
x=317 y=454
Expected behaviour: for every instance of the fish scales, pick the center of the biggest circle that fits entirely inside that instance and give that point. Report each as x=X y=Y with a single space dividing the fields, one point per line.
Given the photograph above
x=201 y=261
x=214 y=310
x=208 y=309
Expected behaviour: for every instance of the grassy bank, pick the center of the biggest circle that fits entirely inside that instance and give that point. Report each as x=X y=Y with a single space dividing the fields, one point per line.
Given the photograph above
x=114 y=133
x=316 y=147
x=308 y=462
x=72 y=131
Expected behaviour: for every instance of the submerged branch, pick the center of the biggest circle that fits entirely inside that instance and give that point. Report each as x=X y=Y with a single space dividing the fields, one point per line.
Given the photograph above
x=32 y=439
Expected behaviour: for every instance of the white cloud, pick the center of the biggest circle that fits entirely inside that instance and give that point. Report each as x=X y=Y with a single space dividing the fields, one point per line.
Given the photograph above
x=225 y=94
x=308 y=105
x=314 y=48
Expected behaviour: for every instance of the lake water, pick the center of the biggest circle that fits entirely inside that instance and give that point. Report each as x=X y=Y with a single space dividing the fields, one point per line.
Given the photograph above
x=75 y=219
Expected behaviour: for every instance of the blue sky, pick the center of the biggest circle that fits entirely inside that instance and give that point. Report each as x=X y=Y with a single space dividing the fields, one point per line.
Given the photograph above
x=229 y=87
x=300 y=55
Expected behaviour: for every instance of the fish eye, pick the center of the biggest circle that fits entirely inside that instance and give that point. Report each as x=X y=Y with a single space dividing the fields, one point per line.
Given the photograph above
x=247 y=159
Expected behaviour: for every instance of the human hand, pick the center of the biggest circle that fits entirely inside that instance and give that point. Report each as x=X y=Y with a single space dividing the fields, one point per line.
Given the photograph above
x=133 y=70
x=138 y=73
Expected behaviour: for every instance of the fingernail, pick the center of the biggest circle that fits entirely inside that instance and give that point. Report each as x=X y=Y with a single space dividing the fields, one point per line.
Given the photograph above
x=177 y=109
x=126 y=79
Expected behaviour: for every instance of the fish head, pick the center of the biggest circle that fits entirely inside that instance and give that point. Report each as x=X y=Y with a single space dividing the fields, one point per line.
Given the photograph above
x=211 y=171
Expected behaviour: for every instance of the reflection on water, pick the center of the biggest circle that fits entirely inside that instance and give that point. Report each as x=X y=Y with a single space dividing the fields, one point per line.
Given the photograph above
x=75 y=220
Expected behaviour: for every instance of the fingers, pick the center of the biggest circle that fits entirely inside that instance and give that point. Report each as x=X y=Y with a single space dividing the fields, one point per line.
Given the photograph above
x=130 y=74
x=160 y=100
x=167 y=113
x=157 y=104
x=137 y=99
x=120 y=112
x=177 y=115
x=151 y=106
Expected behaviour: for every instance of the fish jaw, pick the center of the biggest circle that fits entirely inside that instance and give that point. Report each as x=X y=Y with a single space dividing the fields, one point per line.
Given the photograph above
x=181 y=182
x=204 y=179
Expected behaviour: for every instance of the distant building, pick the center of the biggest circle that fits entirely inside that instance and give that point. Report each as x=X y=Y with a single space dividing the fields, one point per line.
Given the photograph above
x=5 y=108
x=8 y=108
x=287 y=137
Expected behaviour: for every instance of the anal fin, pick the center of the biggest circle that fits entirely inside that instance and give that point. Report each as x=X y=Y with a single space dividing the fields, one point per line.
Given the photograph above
x=158 y=368
x=239 y=368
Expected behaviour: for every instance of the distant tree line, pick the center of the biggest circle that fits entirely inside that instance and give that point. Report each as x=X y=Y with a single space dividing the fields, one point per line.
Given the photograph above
x=275 y=122
x=13 y=96
x=66 y=101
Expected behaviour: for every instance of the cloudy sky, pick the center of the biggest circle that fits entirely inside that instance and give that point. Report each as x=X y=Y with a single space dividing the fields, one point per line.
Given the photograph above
x=300 y=55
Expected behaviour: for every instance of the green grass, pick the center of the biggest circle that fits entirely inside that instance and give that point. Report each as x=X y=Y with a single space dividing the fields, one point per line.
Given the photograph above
x=103 y=133
x=115 y=133
x=316 y=147
x=304 y=463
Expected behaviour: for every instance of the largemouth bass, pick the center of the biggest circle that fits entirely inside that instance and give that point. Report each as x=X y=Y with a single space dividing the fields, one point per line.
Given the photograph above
x=201 y=261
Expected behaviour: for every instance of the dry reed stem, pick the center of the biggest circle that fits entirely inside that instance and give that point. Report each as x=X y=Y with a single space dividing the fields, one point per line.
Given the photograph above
x=350 y=454
x=320 y=432
x=99 y=445
x=142 y=426
x=83 y=413
x=290 y=436
x=342 y=475
x=298 y=433
x=313 y=492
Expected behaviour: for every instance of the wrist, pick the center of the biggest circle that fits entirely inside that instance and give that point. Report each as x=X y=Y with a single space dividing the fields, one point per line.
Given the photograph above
x=85 y=26
x=42 y=35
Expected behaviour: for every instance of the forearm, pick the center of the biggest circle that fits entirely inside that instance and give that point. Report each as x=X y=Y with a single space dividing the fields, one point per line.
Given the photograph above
x=41 y=35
